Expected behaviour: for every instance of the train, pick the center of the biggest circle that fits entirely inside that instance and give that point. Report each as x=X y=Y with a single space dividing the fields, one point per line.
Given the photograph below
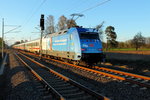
x=76 y=44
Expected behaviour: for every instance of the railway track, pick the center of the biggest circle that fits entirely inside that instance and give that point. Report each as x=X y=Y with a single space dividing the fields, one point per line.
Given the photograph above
x=61 y=86
x=140 y=80
x=136 y=80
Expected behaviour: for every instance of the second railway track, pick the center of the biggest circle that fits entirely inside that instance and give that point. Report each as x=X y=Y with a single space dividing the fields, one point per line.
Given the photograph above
x=63 y=87
x=135 y=79
x=140 y=80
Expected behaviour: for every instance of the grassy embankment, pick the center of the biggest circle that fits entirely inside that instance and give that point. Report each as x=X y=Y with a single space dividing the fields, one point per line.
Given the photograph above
x=144 y=51
x=140 y=66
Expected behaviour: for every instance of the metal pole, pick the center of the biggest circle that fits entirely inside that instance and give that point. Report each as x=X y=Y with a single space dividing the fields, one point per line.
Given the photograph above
x=2 y=38
x=41 y=44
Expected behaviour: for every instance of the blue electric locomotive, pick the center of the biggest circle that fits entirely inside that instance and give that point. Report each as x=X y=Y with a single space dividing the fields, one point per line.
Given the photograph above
x=77 y=44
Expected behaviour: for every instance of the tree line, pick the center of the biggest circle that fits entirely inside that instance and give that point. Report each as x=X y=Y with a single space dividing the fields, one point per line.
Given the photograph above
x=137 y=42
x=63 y=23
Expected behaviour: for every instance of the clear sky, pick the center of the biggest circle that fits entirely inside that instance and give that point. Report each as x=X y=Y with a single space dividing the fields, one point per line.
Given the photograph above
x=127 y=16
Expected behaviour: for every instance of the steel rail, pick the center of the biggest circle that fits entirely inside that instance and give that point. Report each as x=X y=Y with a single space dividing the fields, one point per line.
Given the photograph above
x=4 y=63
x=91 y=92
x=101 y=72
x=128 y=75
x=122 y=72
x=58 y=96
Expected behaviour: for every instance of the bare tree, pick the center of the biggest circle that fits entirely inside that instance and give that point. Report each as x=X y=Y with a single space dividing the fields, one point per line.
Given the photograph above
x=22 y=41
x=100 y=31
x=17 y=42
x=71 y=23
x=121 y=44
x=62 y=23
x=128 y=44
x=50 y=25
x=138 y=40
x=147 y=40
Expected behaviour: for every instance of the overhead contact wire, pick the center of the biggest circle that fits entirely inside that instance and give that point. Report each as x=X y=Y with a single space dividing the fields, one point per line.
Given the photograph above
x=101 y=3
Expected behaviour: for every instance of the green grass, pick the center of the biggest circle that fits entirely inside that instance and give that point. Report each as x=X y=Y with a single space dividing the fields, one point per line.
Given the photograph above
x=128 y=49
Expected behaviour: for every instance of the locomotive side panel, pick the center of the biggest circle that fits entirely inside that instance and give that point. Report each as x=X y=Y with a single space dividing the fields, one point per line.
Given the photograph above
x=75 y=44
x=61 y=46
x=66 y=45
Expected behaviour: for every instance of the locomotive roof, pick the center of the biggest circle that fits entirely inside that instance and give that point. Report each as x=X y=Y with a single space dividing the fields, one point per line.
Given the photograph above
x=65 y=31
x=56 y=34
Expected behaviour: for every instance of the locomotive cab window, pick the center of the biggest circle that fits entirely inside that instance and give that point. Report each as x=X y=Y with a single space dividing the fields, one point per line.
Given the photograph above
x=89 y=35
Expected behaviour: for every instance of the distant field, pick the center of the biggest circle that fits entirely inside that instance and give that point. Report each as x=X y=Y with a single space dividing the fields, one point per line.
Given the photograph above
x=130 y=50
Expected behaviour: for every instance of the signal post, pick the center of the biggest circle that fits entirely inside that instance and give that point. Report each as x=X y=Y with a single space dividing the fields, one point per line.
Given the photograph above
x=42 y=30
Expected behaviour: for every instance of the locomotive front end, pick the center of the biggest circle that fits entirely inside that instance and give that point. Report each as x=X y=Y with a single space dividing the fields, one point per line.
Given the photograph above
x=91 y=46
